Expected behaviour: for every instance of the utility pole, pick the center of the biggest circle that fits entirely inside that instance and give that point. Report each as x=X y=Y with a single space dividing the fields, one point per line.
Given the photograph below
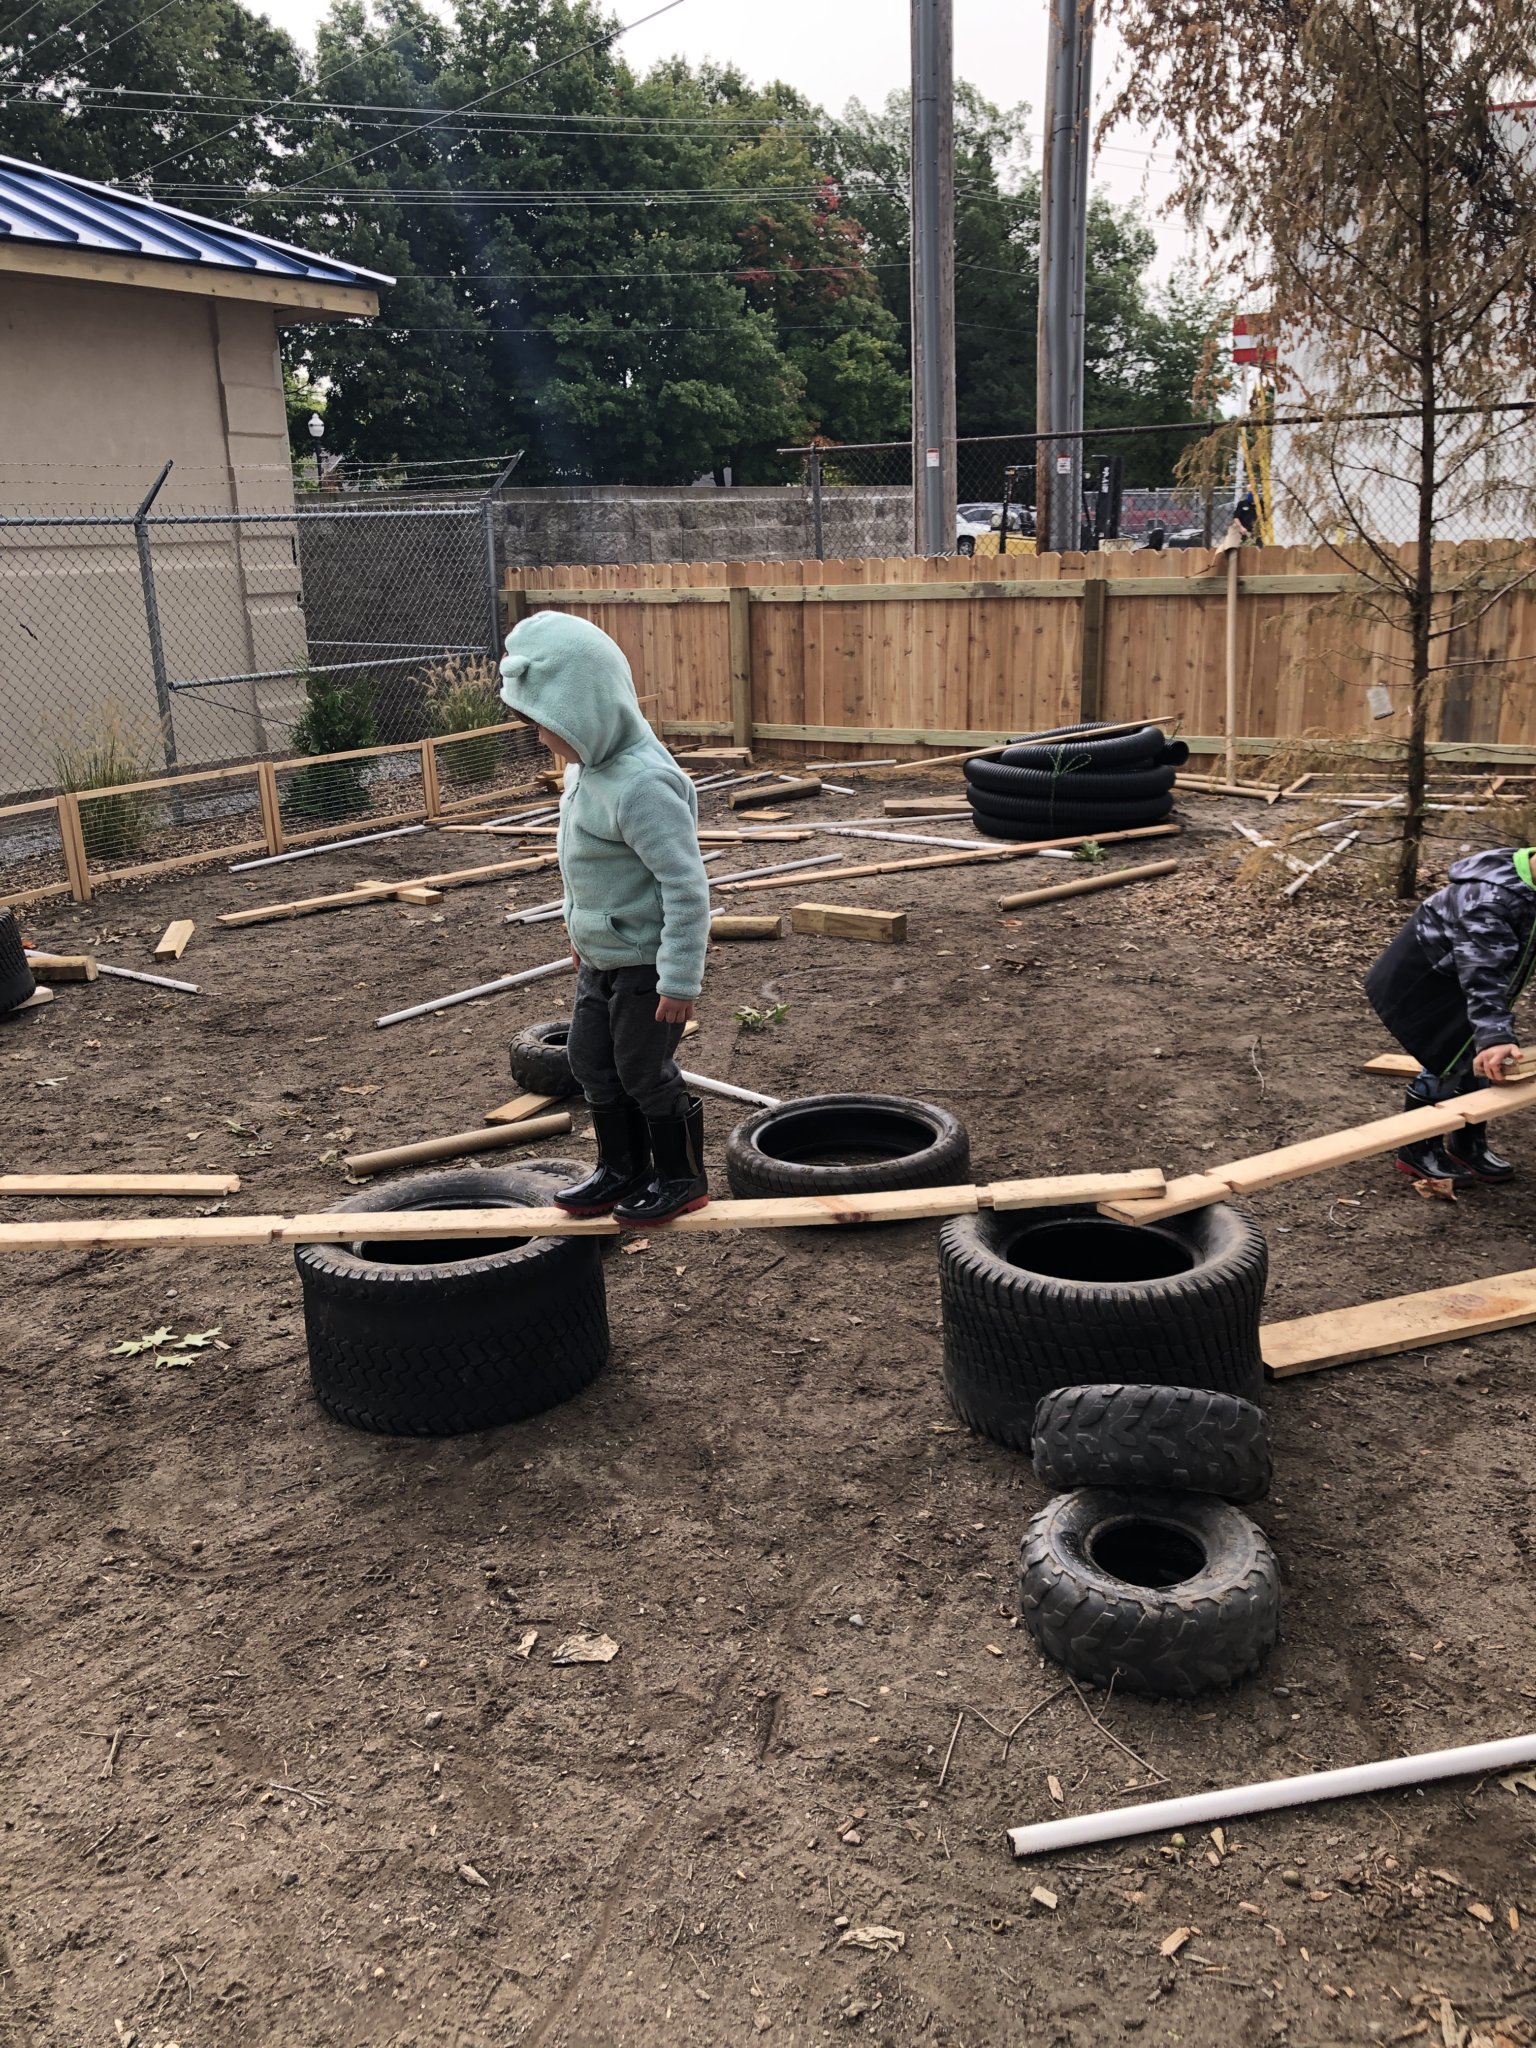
x=1063 y=276
x=933 y=277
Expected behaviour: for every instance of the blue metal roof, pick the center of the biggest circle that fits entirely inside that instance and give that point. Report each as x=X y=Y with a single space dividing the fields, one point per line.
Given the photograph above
x=60 y=211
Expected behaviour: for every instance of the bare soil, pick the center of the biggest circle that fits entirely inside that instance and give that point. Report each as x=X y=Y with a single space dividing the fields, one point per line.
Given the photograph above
x=272 y=1772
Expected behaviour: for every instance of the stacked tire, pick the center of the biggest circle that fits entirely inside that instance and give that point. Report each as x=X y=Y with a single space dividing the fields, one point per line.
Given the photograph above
x=1144 y=1574
x=1076 y=784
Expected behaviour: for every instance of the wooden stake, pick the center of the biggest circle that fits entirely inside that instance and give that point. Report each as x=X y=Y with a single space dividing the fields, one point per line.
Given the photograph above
x=726 y=927
x=1088 y=885
x=72 y=842
x=1377 y=1329
x=173 y=940
x=524 y=1132
x=431 y=794
x=271 y=808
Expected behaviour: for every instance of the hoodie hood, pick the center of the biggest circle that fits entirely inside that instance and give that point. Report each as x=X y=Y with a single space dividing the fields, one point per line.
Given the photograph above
x=567 y=675
x=1495 y=868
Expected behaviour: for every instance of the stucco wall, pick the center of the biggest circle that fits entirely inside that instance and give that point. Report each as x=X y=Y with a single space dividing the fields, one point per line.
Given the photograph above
x=99 y=385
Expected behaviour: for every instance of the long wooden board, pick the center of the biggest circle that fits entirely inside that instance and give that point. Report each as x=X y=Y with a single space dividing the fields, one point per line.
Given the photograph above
x=1317 y=1155
x=336 y=1227
x=384 y=892
x=1113 y=878
x=119 y=1183
x=1376 y=1329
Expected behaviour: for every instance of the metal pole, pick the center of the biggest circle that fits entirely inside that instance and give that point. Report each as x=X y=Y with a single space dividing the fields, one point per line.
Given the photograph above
x=488 y=523
x=152 y=617
x=1063 y=275
x=821 y=553
x=933 y=276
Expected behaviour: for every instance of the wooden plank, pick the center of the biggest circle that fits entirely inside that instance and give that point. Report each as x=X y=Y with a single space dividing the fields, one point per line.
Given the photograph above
x=1089 y=884
x=271 y=808
x=524 y=1131
x=1064 y=1189
x=1405 y=1322
x=119 y=1184
x=716 y=757
x=740 y=603
x=949 y=860
x=849 y=921
x=210 y=857
x=765 y=793
x=172 y=942
x=1318 y=1155
x=924 y=807
x=382 y=892
x=521 y=1108
x=723 y=926
x=61 y=966
x=72 y=843
x=1090 y=684
x=1405 y=1067
x=38 y=1000
x=432 y=797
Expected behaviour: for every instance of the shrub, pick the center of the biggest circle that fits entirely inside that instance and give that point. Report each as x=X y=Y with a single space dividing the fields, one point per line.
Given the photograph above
x=337 y=717
x=463 y=695
x=101 y=754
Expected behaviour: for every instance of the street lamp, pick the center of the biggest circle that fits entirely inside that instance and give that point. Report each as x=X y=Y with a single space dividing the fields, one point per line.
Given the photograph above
x=317 y=434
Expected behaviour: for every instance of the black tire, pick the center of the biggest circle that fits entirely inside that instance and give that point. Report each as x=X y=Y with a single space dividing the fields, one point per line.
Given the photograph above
x=966 y=544
x=1172 y=1439
x=794 y=1149
x=419 y=1342
x=16 y=978
x=1200 y=1607
x=1011 y=820
x=539 y=1061
x=1086 y=752
x=1182 y=1311
x=1039 y=785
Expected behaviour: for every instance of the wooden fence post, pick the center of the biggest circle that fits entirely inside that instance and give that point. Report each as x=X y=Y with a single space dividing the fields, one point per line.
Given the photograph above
x=514 y=607
x=72 y=839
x=430 y=794
x=271 y=808
x=741 y=666
x=1090 y=687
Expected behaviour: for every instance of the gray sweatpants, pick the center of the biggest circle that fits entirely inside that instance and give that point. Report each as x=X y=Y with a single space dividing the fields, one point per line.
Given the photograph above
x=616 y=1047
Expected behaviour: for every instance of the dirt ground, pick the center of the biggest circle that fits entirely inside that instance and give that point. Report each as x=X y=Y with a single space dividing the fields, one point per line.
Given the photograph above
x=272 y=1772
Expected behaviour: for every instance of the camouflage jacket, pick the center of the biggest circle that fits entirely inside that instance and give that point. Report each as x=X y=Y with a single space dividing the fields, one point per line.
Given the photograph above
x=1482 y=928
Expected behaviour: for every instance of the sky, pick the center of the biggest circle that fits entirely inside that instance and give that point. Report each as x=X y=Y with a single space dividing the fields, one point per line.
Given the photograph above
x=862 y=51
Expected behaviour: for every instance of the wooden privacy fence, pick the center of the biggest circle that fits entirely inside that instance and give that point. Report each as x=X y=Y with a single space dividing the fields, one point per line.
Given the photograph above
x=72 y=843
x=897 y=655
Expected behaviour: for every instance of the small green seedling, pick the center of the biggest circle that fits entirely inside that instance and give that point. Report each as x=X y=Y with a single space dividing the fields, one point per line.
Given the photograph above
x=1090 y=851
x=761 y=1020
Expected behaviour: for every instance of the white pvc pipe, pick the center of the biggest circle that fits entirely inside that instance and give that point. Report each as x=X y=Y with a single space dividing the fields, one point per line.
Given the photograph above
x=1159 y=1816
x=829 y=861
x=729 y=1089
x=900 y=838
x=272 y=860
x=182 y=988
x=470 y=995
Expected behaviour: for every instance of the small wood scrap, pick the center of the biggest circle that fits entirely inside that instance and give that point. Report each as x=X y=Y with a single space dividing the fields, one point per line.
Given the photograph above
x=715 y=757
x=1406 y=1322
x=849 y=921
x=189 y=1184
x=418 y=895
x=724 y=926
x=1402 y=1065
x=61 y=966
x=524 y=1132
x=762 y=793
x=172 y=942
x=522 y=1107
x=1090 y=883
x=39 y=999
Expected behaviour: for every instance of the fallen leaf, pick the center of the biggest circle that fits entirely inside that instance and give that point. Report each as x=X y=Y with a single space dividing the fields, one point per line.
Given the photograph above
x=884 y=1940
x=1218 y=1836
x=1045 y=1898
x=1514 y=1920
x=1172 y=1943
x=132 y=1346
x=366 y=1088
x=1483 y=1913
x=1519 y=1781
x=1053 y=1786
x=198 y=1340
x=586 y=1650
x=636 y=1244
x=1436 y=1190
x=472 y=1876
x=523 y=1647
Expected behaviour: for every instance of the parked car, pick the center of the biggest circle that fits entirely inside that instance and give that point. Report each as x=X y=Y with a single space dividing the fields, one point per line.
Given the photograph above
x=977 y=526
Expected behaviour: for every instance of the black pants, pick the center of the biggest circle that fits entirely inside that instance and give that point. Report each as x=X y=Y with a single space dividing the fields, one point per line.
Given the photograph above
x=617 y=1049
x=1425 y=1011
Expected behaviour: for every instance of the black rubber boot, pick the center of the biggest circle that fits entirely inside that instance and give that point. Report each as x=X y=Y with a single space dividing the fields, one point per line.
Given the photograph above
x=623 y=1162
x=677 y=1182
x=1469 y=1148
x=1429 y=1160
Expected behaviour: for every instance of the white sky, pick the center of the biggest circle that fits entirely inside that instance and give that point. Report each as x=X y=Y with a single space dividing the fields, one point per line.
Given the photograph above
x=834 y=53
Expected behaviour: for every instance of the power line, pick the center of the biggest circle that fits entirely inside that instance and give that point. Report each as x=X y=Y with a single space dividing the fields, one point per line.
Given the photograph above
x=63 y=28
x=18 y=19
x=528 y=77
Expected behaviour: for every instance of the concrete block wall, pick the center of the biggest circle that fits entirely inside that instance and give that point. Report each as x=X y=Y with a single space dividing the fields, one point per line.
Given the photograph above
x=747 y=523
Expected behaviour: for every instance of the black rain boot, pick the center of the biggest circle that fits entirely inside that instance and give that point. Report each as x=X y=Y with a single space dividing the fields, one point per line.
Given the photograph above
x=677 y=1183
x=623 y=1162
x=1469 y=1148
x=1429 y=1160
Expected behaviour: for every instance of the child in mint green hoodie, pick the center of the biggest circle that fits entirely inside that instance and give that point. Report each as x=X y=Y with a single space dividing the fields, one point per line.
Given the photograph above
x=636 y=909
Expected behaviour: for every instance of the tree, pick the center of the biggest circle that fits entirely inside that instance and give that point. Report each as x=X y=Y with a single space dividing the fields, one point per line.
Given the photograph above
x=1358 y=147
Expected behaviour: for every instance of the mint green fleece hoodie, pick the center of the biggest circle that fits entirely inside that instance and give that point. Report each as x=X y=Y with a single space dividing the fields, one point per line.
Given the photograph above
x=636 y=894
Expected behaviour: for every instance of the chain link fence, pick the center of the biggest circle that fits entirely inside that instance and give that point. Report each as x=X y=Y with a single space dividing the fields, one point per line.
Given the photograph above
x=140 y=643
